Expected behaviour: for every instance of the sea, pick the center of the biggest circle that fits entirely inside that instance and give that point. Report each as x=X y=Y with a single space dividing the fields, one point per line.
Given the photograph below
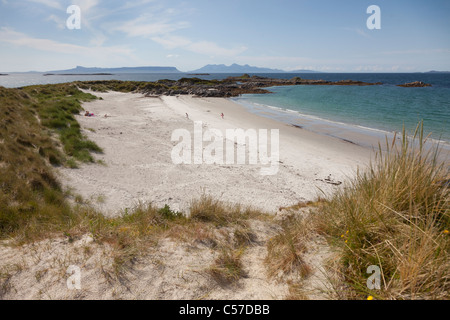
x=377 y=110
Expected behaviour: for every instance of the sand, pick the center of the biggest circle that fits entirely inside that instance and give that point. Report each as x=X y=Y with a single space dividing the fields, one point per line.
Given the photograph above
x=137 y=166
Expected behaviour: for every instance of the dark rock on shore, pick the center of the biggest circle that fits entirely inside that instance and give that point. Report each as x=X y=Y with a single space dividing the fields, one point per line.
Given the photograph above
x=229 y=87
x=415 y=84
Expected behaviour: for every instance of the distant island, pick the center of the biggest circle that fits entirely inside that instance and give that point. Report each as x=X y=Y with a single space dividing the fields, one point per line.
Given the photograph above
x=79 y=70
x=434 y=71
x=305 y=71
x=3 y=74
x=78 y=74
x=236 y=68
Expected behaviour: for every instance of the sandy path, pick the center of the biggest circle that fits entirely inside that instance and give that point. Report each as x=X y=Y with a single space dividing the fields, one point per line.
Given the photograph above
x=136 y=139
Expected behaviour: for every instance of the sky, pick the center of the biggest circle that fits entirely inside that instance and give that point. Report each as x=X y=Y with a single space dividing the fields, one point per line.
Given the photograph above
x=322 y=35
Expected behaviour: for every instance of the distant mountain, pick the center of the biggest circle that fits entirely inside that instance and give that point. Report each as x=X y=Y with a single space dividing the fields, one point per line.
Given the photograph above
x=304 y=71
x=234 y=68
x=434 y=71
x=84 y=70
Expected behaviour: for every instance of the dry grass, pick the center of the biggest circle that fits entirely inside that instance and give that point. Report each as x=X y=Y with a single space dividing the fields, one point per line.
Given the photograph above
x=208 y=209
x=231 y=237
x=227 y=268
x=285 y=251
x=394 y=215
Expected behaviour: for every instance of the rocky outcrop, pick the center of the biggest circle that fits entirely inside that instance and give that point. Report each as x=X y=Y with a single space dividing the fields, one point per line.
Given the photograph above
x=234 y=86
x=229 y=87
x=415 y=84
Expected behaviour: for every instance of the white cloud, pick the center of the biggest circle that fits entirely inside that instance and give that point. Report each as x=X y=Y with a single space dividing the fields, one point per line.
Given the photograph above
x=49 y=3
x=161 y=28
x=172 y=42
x=202 y=47
x=98 y=39
x=133 y=4
x=20 y=39
x=85 y=5
x=421 y=52
x=358 y=31
x=212 y=49
x=362 y=33
x=140 y=28
x=60 y=23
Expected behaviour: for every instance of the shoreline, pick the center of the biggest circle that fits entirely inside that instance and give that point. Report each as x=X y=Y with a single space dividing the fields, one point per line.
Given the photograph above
x=367 y=137
x=136 y=139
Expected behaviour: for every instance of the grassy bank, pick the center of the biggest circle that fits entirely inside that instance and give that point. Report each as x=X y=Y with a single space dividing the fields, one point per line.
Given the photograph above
x=395 y=216
x=38 y=131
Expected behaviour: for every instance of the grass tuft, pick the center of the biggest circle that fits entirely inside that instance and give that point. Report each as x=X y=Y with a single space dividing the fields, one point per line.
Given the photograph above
x=395 y=216
x=227 y=268
x=286 y=250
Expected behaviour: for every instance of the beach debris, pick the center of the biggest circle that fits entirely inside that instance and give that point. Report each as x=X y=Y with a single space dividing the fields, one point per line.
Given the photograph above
x=330 y=181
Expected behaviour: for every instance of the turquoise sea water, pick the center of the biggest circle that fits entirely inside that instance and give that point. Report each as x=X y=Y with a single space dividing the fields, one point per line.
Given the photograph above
x=386 y=107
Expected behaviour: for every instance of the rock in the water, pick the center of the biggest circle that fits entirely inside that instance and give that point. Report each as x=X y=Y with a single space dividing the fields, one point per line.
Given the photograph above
x=415 y=84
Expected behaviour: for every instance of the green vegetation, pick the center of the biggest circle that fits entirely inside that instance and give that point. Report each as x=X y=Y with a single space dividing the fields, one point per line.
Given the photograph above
x=197 y=81
x=143 y=86
x=31 y=196
x=123 y=86
x=33 y=205
x=56 y=106
x=394 y=215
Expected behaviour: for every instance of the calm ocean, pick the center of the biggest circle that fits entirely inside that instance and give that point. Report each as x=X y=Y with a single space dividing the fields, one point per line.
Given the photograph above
x=385 y=108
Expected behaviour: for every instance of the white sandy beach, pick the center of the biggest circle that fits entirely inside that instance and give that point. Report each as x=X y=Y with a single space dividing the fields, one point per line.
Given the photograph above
x=137 y=164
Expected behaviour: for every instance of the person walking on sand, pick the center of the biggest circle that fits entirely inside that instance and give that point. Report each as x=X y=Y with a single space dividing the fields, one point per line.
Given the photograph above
x=222 y=115
x=187 y=116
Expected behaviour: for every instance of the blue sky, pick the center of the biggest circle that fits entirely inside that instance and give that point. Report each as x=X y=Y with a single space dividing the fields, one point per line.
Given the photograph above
x=324 y=35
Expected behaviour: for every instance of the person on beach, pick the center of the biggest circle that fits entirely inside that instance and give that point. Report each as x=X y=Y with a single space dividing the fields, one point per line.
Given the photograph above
x=222 y=115
x=187 y=116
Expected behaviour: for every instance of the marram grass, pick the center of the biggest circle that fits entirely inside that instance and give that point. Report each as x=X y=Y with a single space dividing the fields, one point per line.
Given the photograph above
x=395 y=215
